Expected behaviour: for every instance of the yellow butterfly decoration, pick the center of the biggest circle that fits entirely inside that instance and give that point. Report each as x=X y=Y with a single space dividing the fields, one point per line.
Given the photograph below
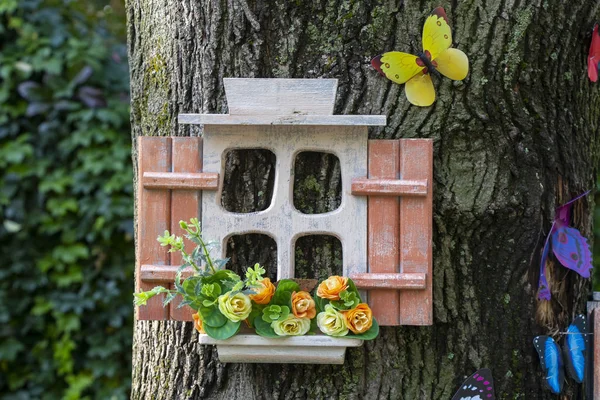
x=437 y=57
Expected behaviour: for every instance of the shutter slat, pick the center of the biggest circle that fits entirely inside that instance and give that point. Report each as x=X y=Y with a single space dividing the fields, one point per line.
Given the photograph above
x=185 y=204
x=154 y=209
x=416 y=163
x=383 y=222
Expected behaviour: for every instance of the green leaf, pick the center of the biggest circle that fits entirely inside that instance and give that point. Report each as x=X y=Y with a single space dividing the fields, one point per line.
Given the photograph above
x=189 y=285
x=320 y=303
x=9 y=348
x=264 y=329
x=221 y=275
x=169 y=298
x=257 y=310
x=208 y=303
x=220 y=264
x=226 y=331
x=283 y=293
x=212 y=316
x=352 y=289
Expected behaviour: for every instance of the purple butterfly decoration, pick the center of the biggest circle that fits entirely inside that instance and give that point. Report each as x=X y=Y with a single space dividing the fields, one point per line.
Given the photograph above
x=570 y=248
x=479 y=386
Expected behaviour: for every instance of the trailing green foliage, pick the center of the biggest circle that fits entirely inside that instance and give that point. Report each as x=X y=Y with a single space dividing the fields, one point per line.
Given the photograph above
x=66 y=200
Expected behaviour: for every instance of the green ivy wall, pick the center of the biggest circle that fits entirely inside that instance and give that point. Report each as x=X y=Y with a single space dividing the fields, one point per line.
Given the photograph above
x=66 y=245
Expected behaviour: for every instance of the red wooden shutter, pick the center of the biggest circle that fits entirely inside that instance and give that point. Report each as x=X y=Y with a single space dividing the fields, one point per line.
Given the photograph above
x=169 y=190
x=399 y=187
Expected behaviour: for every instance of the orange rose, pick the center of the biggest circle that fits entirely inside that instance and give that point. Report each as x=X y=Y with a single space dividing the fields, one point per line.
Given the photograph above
x=303 y=305
x=331 y=287
x=359 y=319
x=264 y=292
x=198 y=323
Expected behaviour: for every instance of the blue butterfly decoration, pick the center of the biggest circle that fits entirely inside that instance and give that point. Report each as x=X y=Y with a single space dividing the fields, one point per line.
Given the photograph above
x=479 y=386
x=574 y=348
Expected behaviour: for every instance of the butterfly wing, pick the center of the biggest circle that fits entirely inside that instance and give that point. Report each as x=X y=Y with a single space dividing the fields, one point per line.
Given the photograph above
x=396 y=66
x=574 y=349
x=419 y=90
x=594 y=55
x=572 y=250
x=453 y=64
x=543 y=286
x=551 y=361
x=479 y=384
x=437 y=35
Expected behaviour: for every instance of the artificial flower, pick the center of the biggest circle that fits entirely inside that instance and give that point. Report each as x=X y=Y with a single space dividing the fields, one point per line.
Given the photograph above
x=198 y=323
x=264 y=292
x=331 y=287
x=236 y=307
x=332 y=322
x=359 y=319
x=303 y=305
x=291 y=326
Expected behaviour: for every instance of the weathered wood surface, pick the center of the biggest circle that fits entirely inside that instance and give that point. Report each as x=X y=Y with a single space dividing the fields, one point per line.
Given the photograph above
x=180 y=180
x=257 y=96
x=164 y=274
x=295 y=119
x=383 y=222
x=388 y=187
x=185 y=204
x=416 y=232
x=388 y=281
x=281 y=220
x=154 y=217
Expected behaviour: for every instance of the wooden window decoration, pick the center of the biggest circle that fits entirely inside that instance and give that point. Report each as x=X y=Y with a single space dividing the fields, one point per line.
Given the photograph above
x=384 y=221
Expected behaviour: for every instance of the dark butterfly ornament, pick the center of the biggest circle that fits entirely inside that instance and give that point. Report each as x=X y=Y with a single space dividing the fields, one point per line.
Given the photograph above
x=574 y=351
x=570 y=248
x=479 y=386
x=594 y=55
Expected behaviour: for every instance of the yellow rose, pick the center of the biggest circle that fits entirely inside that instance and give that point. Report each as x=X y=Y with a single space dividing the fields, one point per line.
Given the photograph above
x=236 y=307
x=359 y=319
x=198 y=323
x=331 y=322
x=303 y=305
x=291 y=326
x=264 y=293
x=331 y=287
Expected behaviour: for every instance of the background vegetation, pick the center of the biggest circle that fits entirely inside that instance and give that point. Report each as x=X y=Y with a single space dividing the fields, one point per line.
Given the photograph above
x=66 y=198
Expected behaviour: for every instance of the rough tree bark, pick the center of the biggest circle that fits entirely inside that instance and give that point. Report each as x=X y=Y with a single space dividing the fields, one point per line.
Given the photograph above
x=515 y=139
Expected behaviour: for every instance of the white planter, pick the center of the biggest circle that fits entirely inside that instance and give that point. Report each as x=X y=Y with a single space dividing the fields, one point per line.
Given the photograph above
x=309 y=349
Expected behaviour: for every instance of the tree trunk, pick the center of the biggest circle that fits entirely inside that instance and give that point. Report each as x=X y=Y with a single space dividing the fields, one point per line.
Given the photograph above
x=511 y=142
